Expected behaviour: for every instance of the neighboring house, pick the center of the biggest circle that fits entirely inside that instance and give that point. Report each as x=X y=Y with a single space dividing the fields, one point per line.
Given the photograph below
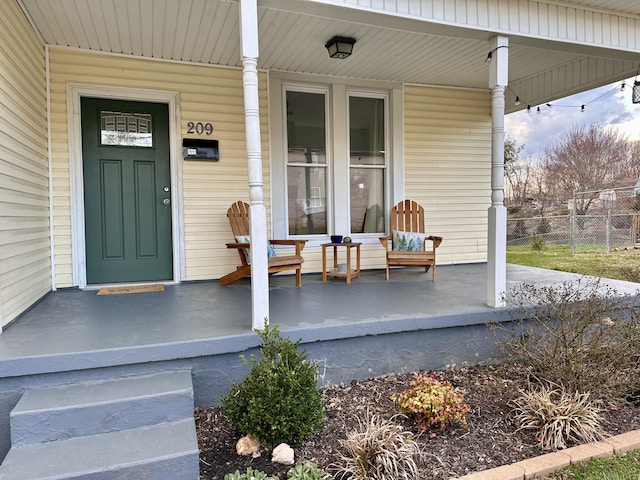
x=415 y=112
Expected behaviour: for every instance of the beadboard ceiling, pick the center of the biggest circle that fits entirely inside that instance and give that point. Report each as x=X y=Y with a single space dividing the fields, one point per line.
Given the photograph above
x=292 y=34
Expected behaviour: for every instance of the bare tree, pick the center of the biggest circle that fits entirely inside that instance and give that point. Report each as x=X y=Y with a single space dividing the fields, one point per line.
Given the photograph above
x=542 y=189
x=585 y=159
x=516 y=172
x=634 y=170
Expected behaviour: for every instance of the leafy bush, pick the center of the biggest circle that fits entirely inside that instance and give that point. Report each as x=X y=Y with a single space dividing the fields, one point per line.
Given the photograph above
x=520 y=229
x=581 y=335
x=307 y=471
x=434 y=402
x=558 y=417
x=301 y=471
x=544 y=226
x=251 y=474
x=379 y=450
x=537 y=244
x=513 y=209
x=279 y=400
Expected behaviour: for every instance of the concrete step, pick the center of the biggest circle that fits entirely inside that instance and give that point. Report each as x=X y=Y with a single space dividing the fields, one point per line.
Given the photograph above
x=82 y=409
x=157 y=452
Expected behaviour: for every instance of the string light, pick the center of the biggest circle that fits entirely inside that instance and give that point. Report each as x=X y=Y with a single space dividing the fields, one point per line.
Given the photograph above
x=635 y=97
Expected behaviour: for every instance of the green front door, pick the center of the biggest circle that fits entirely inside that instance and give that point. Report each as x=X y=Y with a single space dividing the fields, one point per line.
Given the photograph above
x=127 y=194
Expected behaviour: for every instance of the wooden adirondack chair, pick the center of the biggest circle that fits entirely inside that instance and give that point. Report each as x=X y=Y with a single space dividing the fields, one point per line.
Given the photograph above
x=238 y=215
x=408 y=240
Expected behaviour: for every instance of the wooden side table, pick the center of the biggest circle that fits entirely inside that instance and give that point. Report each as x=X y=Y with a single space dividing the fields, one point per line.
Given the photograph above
x=349 y=273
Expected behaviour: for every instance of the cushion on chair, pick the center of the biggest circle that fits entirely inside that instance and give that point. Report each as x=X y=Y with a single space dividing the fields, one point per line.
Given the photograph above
x=408 y=241
x=247 y=251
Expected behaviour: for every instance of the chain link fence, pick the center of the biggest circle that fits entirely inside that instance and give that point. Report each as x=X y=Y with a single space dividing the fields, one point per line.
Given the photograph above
x=600 y=220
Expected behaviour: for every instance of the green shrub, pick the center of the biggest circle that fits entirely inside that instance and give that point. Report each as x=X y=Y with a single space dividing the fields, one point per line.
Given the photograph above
x=544 y=226
x=513 y=209
x=378 y=450
x=433 y=402
x=307 y=471
x=251 y=474
x=520 y=229
x=279 y=400
x=557 y=417
x=537 y=244
x=581 y=335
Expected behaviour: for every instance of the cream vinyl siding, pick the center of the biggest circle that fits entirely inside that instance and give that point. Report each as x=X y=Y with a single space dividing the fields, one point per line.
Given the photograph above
x=25 y=267
x=206 y=94
x=448 y=166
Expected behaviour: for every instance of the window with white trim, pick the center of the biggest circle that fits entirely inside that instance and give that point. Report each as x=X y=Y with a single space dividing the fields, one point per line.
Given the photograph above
x=333 y=165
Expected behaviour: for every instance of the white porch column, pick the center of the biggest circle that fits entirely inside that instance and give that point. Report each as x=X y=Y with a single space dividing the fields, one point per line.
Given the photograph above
x=257 y=212
x=497 y=227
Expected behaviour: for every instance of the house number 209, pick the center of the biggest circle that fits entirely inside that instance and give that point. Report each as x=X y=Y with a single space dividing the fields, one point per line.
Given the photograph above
x=200 y=128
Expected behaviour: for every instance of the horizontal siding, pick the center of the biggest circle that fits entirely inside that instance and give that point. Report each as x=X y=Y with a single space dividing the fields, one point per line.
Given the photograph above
x=25 y=266
x=535 y=18
x=207 y=94
x=448 y=167
x=447 y=143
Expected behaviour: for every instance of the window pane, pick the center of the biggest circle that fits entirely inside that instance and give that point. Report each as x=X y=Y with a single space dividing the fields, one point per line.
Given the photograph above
x=126 y=129
x=366 y=131
x=367 y=148
x=367 y=200
x=307 y=200
x=306 y=148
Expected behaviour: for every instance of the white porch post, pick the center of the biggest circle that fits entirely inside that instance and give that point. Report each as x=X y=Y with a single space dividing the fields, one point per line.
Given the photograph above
x=497 y=227
x=257 y=212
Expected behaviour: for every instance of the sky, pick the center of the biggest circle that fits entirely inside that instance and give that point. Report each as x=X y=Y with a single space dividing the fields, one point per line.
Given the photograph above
x=607 y=105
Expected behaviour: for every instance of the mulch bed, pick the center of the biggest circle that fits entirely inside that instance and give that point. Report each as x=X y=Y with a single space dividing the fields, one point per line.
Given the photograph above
x=490 y=440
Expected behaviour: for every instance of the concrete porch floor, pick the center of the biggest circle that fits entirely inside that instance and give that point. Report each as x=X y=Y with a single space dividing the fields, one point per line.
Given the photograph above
x=71 y=328
x=369 y=328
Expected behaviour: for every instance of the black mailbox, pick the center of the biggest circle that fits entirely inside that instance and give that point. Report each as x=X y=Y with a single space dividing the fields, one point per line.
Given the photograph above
x=199 y=149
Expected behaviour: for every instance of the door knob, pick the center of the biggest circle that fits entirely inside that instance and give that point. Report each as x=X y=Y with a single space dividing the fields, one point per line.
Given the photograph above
x=166 y=201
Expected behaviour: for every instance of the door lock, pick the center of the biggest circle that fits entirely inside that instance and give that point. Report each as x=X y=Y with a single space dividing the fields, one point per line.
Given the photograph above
x=166 y=201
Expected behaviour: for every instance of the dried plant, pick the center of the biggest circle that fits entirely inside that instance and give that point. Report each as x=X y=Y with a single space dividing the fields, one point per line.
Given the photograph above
x=557 y=417
x=583 y=335
x=378 y=450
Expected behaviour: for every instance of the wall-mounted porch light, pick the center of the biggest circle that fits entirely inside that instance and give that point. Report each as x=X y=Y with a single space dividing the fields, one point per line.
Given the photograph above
x=340 y=47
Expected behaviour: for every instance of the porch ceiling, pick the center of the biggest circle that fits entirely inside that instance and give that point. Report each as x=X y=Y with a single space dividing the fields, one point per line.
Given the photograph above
x=293 y=33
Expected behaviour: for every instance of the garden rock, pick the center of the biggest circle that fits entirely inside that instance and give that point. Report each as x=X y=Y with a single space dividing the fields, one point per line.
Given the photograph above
x=248 y=445
x=284 y=454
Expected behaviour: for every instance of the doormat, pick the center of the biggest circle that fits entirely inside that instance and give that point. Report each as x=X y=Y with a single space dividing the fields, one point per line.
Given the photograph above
x=155 y=287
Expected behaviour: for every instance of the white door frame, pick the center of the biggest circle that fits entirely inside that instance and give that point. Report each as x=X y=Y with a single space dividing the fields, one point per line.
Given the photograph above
x=74 y=92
